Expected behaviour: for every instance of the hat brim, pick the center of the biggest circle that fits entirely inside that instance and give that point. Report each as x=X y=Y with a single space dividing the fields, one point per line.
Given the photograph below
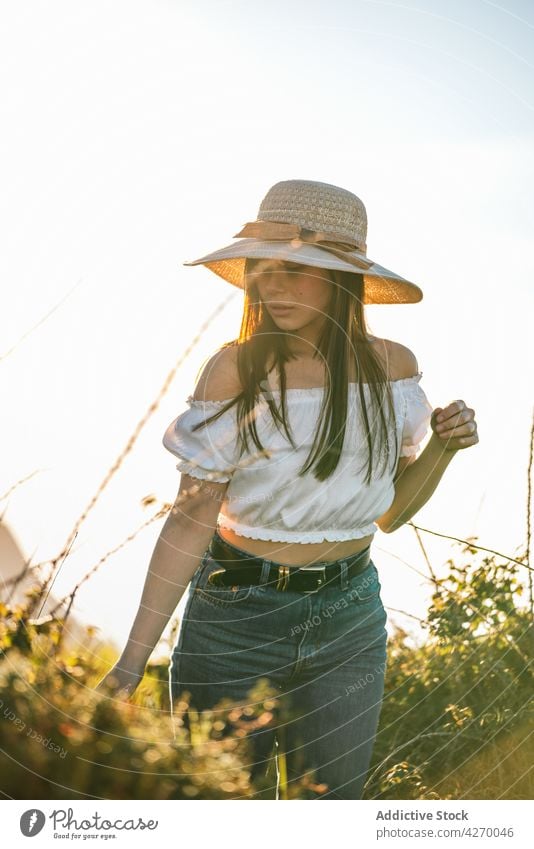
x=381 y=286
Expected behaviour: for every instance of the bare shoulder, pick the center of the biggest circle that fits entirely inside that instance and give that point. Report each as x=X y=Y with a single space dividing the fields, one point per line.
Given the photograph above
x=219 y=377
x=398 y=360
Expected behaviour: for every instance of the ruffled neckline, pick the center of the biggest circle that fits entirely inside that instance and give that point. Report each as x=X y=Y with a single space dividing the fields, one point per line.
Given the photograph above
x=308 y=391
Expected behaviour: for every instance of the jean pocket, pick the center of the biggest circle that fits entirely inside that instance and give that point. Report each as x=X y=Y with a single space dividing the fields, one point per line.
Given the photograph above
x=366 y=586
x=217 y=594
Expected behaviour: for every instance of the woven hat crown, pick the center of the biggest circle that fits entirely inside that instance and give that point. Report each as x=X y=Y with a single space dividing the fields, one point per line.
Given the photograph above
x=314 y=224
x=317 y=206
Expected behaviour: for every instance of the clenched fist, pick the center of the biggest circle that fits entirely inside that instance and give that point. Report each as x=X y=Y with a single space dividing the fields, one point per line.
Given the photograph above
x=455 y=426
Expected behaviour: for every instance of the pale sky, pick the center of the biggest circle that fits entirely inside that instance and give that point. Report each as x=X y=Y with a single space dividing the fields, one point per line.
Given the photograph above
x=139 y=135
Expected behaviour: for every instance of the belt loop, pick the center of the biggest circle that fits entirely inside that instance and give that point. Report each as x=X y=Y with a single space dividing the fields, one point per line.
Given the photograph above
x=265 y=571
x=344 y=574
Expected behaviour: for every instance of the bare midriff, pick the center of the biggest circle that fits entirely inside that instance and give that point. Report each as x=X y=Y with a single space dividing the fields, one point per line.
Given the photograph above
x=295 y=554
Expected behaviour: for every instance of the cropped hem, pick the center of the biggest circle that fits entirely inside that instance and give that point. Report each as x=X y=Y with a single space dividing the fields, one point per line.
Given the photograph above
x=277 y=535
x=409 y=450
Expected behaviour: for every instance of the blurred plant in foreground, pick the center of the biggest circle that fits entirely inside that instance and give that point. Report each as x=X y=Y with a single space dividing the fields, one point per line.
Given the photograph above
x=61 y=739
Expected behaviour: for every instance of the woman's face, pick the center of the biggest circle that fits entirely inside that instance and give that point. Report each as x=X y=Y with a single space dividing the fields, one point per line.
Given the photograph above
x=302 y=289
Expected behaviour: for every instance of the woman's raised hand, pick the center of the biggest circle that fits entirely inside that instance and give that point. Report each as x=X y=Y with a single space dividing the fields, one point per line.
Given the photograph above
x=455 y=425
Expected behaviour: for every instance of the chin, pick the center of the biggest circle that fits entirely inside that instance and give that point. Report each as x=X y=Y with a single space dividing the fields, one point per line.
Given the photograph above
x=287 y=324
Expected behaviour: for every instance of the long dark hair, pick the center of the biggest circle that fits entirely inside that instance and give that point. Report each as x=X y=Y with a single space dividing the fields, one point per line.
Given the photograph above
x=344 y=337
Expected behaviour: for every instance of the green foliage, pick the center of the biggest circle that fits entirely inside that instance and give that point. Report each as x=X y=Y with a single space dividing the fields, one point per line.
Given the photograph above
x=456 y=713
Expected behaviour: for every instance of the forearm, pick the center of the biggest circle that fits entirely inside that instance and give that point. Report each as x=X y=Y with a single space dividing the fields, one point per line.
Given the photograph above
x=175 y=558
x=416 y=484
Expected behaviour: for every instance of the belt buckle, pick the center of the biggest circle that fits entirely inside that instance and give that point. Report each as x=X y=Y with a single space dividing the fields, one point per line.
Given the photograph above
x=320 y=581
x=283 y=578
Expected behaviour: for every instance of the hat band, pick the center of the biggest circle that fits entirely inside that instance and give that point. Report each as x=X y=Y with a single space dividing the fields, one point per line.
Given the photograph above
x=335 y=243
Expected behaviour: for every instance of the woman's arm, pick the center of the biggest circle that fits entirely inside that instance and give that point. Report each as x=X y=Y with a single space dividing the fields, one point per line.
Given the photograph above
x=181 y=543
x=415 y=483
x=453 y=428
x=177 y=553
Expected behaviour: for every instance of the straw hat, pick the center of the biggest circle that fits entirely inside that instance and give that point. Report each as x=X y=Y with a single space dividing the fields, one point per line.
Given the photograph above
x=314 y=224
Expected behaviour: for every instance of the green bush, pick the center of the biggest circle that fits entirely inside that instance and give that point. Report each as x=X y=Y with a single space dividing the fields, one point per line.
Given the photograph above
x=456 y=713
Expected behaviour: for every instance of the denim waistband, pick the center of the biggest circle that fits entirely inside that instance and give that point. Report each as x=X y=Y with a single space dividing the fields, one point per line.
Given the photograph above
x=350 y=560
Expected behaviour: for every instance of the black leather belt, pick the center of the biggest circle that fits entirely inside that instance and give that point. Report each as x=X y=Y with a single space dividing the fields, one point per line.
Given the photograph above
x=240 y=569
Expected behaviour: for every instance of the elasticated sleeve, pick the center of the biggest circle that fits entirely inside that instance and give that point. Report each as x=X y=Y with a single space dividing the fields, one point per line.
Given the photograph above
x=417 y=414
x=209 y=453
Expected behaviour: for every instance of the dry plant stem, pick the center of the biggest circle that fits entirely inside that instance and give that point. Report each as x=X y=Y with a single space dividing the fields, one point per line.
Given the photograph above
x=471 y=545
x=128 y=448
x=529 y=524
x=177 y=554
x=433 y=575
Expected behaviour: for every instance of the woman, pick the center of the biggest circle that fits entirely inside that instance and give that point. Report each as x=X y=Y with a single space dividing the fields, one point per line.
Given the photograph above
x=300 y=440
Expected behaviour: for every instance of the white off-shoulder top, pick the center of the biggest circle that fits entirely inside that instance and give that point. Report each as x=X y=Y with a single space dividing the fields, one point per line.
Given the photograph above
x=266 y=499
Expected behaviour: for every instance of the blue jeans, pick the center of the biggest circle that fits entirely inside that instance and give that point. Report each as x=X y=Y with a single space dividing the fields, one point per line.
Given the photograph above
x=324 y=652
